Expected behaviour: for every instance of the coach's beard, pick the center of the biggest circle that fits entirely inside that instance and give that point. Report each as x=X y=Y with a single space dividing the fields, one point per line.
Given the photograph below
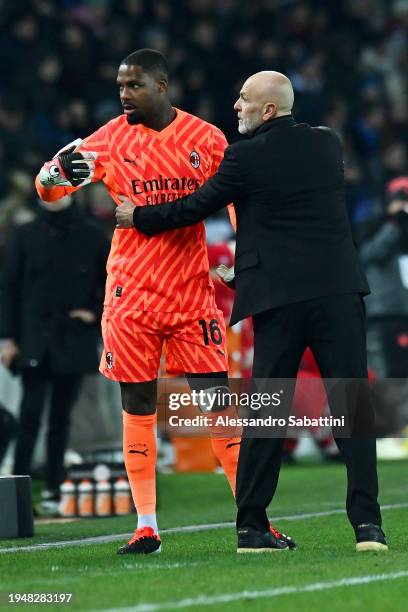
x=247 y=126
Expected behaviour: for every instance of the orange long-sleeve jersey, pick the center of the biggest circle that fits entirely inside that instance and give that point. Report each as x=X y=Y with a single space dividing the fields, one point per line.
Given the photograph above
x=169 y=272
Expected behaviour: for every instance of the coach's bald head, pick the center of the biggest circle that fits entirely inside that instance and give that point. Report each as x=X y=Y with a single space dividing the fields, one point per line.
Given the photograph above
x=265 y=95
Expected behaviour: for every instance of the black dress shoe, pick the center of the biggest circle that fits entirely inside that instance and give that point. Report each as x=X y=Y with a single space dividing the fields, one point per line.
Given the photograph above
x=252 y=541
x=370 y=537
x=282 y=536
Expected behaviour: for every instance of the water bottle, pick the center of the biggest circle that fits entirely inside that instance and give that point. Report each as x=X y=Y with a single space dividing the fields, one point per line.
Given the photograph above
x=68 y=503
x=85 y=498
x=103 y=500
x=122 y=502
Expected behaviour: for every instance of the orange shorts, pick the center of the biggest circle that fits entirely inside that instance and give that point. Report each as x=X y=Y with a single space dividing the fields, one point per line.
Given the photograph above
x=133 y=341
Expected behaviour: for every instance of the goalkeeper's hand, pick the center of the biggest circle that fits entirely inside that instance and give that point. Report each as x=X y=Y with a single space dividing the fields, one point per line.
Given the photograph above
x=227 y=275
x=69 y=167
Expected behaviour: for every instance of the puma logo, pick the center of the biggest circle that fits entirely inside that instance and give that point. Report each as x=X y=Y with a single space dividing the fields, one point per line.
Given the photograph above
x=143 y=452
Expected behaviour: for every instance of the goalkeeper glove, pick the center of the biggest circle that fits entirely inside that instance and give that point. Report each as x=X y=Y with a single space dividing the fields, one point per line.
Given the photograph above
x=69 y=167
x=227 y=275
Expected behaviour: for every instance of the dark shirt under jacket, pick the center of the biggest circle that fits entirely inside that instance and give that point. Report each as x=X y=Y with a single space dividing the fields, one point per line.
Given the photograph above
x=294 y=239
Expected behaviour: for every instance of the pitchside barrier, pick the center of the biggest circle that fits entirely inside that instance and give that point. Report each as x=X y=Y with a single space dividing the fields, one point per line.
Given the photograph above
x=16 y=507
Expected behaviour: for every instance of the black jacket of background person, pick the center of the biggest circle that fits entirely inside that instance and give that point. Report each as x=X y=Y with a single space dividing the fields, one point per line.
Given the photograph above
x=293 y=239
x=54 y=264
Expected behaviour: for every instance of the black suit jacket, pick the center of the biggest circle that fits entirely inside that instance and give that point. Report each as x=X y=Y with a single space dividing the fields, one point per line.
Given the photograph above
x=293 y=240
x=54 y=264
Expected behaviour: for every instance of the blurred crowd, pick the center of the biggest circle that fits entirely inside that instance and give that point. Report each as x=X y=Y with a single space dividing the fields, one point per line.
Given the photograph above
x=347 y=60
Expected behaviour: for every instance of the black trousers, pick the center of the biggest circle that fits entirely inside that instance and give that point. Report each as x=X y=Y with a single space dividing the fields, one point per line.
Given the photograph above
x=64 y=392
x=8 y=427
x=334 y=328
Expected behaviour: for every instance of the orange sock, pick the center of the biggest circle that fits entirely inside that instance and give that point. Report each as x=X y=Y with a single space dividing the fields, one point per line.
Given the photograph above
x=140 y=456
x=227 y=450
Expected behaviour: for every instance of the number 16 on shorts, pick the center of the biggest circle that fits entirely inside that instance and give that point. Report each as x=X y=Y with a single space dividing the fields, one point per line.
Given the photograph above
x=211 y=331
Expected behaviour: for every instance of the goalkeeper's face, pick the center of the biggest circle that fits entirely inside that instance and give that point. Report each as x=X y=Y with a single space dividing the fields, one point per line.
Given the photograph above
x=141 y=94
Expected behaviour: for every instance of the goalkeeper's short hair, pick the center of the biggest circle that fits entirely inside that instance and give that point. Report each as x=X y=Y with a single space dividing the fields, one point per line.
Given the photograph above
x=150 y=60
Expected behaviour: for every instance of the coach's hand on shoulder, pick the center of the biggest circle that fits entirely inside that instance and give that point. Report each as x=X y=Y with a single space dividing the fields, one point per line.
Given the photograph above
x=69 y=167
x=124 y=213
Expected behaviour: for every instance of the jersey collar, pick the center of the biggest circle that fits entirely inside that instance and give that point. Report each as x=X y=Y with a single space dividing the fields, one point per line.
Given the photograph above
x=166 y=130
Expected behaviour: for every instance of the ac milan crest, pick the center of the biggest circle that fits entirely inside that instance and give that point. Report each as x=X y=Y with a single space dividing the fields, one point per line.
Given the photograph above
x=194 y=159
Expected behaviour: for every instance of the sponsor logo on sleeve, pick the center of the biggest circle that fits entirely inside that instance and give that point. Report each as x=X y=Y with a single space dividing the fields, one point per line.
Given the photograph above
x=109 y=360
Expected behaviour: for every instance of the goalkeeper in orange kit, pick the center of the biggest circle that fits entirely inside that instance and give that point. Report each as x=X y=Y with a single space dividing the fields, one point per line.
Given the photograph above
x=158 y=290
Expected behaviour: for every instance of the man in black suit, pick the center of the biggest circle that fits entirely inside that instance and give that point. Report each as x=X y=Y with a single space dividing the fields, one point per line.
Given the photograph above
x=297 y=274
x=51 y=297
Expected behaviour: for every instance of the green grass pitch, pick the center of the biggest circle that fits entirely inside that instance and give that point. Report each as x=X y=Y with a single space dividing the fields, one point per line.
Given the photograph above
x=200 y=569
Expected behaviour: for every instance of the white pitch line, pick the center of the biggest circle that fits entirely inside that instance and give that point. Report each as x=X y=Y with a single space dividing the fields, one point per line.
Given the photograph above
x=106 y=539
x=202 y=600
x=59 y=576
